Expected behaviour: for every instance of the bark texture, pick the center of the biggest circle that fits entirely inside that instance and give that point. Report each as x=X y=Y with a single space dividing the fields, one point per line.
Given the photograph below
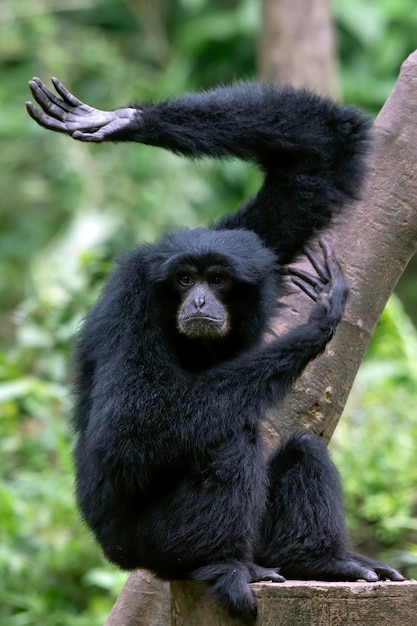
x=374 y=241
x=144 y=601
x=297 y=45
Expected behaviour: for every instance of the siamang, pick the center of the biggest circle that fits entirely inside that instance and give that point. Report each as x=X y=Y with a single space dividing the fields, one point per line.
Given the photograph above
x=173 y=376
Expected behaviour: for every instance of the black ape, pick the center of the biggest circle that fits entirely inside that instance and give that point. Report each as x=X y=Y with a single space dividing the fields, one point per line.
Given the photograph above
x=173 y=378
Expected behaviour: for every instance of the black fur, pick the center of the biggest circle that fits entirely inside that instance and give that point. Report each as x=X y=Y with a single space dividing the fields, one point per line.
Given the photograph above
x=310 y=149
x=169 y=463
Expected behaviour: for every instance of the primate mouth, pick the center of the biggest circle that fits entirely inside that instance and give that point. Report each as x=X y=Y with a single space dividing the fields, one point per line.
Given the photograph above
x=201 y=326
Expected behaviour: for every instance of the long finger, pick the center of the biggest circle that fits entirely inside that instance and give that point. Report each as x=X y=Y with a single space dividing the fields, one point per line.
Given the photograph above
x=46 y=99
x=384 y=571
x=46 y=103
x=97 y=137
x=327 y=250
x=306 y=276
x=312 y=293
x=332 y=264
x=45 y=120
x=321 y=268
x=65 y=94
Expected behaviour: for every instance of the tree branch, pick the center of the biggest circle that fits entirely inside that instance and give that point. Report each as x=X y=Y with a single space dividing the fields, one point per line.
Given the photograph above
x=374 y=240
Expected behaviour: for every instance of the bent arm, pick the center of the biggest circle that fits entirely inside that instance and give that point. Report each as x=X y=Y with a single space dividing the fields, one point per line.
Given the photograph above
x=267 y=372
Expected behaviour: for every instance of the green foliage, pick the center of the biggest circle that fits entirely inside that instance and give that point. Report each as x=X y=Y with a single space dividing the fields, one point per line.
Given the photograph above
x=51 y=572
x=375 y=442
x=68 y=209
x=374 y=39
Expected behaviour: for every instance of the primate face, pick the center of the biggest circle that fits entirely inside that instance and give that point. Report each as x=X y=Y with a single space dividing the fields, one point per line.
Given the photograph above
x=212 y=287
x=203 y=311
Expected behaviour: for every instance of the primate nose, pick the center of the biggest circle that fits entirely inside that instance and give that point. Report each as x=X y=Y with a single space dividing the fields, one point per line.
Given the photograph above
x=199 y=301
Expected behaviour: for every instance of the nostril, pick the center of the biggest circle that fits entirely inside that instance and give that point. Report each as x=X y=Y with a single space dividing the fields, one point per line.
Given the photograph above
x=199 y=301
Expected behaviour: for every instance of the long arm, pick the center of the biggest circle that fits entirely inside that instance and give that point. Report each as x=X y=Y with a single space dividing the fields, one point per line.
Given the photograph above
x=310 y=149
x=251 y=121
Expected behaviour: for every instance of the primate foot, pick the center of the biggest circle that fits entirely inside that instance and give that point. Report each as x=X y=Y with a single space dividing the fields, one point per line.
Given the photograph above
x=258 y=573
x=371 y=570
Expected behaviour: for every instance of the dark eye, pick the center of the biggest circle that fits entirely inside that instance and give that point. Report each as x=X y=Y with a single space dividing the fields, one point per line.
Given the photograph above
x=185 y=280
x=216 y=279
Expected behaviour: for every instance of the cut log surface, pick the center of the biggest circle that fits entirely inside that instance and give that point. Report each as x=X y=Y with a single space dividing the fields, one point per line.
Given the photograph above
x=301 y=603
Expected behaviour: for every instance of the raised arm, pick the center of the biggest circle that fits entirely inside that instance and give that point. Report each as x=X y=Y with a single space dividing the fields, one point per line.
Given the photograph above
x=246 y=120
x=311 y=149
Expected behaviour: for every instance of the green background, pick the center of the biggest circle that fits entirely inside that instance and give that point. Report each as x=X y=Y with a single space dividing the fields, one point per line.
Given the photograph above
x=68 y=209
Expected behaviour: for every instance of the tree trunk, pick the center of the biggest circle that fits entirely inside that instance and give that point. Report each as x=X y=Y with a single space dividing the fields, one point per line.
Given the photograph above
x=374 y=240
x=143 y=601
x=297 y=45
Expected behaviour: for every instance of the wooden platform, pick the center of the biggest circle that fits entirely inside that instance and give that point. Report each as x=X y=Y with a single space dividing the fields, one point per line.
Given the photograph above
x=300 y=603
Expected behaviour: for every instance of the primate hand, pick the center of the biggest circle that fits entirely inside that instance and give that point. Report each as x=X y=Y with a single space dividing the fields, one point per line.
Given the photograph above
x=70 y=116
